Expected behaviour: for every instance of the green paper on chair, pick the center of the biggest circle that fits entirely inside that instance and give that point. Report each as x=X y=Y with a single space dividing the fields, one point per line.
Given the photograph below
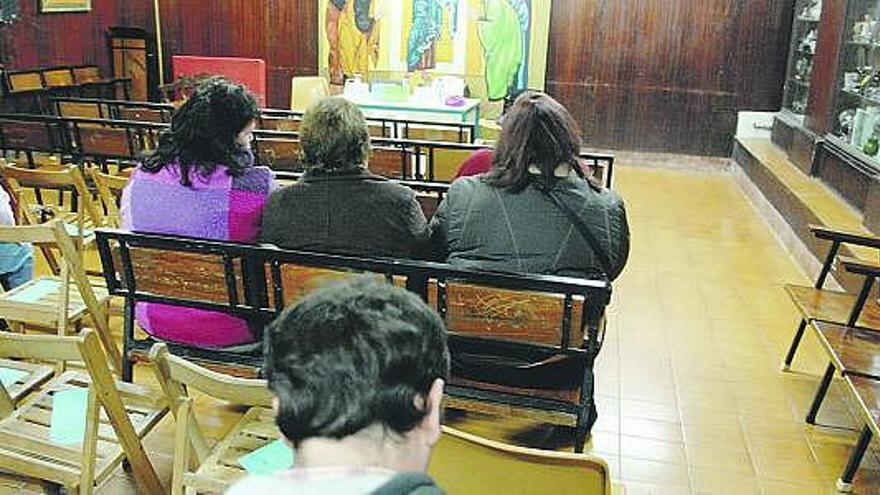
x=8 y=376
x=68 y=424
x=269 y=459
x=35 y=291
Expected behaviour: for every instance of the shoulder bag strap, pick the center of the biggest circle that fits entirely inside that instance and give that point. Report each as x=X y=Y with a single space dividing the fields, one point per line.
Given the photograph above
x=580 y=226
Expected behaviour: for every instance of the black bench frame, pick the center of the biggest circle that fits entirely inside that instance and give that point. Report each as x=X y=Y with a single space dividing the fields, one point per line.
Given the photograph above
x=256 y=261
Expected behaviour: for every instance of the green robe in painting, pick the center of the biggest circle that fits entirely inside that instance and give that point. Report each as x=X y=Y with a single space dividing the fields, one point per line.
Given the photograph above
x=502 y=34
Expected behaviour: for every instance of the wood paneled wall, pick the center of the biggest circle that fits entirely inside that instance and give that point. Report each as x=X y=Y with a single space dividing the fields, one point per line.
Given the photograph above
x=659 y=75
x=284 y=33
x=38 y=40
x=667 y=75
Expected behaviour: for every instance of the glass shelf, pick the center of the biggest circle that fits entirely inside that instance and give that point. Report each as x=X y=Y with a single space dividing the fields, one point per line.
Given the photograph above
x=856 y=119
x=804 y=35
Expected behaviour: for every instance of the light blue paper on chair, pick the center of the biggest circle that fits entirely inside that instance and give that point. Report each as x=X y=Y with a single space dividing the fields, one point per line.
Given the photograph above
x=68 y=424
x=73 y=230
x=8 y=376
x=271 y=458
x=35 y=291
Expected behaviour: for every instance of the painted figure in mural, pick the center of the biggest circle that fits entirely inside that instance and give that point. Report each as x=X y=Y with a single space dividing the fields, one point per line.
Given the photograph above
x=353 y=35
x=504 y=33
x=433 y=26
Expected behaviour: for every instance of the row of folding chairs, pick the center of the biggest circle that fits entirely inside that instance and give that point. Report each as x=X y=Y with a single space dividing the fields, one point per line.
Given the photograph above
x=29 y=90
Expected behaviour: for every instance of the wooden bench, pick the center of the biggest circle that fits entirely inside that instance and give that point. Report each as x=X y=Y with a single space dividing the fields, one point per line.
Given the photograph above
x=550 y=375
x=853 y=353
x=821 y=304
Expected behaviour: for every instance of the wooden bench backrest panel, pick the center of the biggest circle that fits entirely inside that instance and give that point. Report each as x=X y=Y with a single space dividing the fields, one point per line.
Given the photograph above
x=279 y=124
x=86 y=74
x=279 y=154
x=24 y=135
x=105 y=141
x=447 y=161
x=389 y=162
x=507 y=314
x=429 y=204
x=25 y=81
x=57 y=78
x=192 y=276
x=427 y=133
x=79 y=109
x=298 y=281
x=144 y=114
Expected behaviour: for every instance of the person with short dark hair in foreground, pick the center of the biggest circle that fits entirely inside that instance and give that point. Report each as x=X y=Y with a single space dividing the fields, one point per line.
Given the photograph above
x=358 y=371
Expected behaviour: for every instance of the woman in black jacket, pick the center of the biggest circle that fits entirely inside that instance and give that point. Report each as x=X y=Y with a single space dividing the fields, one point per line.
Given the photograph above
x=535 y=211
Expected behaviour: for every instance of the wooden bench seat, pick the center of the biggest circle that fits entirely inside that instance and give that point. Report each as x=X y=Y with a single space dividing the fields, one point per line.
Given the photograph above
x=821 y=303
x=832 y=306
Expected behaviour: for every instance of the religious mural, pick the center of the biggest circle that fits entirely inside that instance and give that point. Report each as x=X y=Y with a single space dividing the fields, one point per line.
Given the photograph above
x=497 y=46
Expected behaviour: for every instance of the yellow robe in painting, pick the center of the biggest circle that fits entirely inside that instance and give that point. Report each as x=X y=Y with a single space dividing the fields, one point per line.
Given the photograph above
x=358 y=51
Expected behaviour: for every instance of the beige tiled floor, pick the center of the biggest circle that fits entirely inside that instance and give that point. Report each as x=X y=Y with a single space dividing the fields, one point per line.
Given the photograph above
x=690 y=393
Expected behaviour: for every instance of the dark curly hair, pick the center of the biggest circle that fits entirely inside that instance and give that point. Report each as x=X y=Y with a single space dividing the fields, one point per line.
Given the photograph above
x=204 y=130
x=353 y=355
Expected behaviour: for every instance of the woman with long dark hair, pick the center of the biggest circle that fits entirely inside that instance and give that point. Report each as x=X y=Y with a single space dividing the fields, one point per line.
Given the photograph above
x=535 y=211
x=201 y=182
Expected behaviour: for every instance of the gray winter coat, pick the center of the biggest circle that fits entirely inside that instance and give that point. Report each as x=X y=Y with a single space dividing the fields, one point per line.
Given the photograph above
x=481 y=226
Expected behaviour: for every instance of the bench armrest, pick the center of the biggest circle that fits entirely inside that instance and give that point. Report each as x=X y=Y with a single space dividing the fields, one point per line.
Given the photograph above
x=847 y=236
x=860 y=267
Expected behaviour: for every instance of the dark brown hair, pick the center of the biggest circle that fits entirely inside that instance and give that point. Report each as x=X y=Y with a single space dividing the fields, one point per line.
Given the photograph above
x=536 y=131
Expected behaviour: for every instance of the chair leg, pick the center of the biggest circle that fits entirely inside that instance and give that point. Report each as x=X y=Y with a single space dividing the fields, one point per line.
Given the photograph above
x=844 y=483
x=794 y=345
x=820 y=394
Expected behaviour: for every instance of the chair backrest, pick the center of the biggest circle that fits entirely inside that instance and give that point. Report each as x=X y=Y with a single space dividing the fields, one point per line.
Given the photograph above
x=80 y=109
x=390 y=162
x=55 y=234
x=103 y=141
x=109 y=188
x=284 y=154
x=66 y=178
x=305 y=91
x=286 y=124
x=19 y=81
x=139 y=114
x=58 y=77
x=446 y=162
x=102 y=390
x=31 y=134
x=86 y=74
x=465 y=463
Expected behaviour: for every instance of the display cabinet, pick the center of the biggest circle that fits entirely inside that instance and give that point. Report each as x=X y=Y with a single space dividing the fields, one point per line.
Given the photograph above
x=804 y=39
x=856 y=118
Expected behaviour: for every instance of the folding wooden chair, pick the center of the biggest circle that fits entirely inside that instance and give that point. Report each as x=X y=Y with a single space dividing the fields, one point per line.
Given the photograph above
x=109 y=188
x=48 y=302
x=465 y=463
x=821 y=304
x=40 y=442
x=83 y=214
x=197 y=466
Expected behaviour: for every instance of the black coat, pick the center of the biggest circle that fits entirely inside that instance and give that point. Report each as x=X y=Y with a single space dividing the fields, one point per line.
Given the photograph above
x=481 y=226
x=358 y=214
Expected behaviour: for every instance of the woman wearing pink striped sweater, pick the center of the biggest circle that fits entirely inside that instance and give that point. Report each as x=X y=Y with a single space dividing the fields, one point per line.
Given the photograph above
x=201 y=182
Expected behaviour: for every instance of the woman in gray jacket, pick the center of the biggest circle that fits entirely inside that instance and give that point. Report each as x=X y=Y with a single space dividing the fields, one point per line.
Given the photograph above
x=536 y=211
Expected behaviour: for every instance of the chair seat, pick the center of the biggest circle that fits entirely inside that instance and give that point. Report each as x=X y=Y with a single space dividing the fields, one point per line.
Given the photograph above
x=26 y=445
x=853 y=350
x=832 y=306
x=34 y=376
x=221 y=469
x=36 y=302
